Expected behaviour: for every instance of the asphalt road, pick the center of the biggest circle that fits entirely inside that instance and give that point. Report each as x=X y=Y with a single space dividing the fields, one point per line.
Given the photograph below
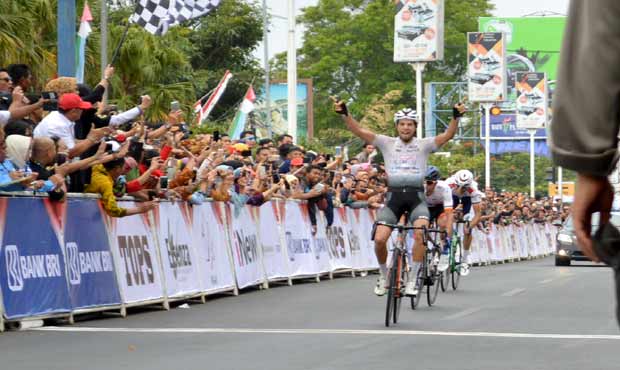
x=526 y=315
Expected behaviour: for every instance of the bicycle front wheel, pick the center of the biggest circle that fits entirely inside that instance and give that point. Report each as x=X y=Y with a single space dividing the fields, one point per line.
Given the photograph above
x=432 y=279
x=393 y=275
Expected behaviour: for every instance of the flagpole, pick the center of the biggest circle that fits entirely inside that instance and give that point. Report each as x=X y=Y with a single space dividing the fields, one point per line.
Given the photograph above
x=118 y=47
x=104 y=43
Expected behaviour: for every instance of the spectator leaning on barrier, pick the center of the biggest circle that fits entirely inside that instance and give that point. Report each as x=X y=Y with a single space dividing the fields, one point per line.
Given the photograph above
x=316 y=193
x=102 y=183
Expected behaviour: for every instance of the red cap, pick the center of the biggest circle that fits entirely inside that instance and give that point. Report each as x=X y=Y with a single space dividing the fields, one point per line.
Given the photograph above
x=297 y=162
x=72 y=101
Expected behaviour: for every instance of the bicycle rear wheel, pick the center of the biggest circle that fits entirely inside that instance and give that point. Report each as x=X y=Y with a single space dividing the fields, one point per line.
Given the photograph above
x=444 y=279
x=393 y=275
x=433 y=277
x=454 y=267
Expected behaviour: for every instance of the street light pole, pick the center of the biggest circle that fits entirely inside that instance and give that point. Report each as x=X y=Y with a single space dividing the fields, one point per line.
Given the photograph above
x=267 y=72
x=292 y=72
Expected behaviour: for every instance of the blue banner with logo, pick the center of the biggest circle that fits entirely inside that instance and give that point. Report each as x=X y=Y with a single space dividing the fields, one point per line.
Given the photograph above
x=32 y=266
x=90 y=265
x=505 y=126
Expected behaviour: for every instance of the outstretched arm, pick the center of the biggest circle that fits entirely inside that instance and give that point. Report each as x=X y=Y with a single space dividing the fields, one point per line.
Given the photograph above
x=457 y=112
x=359 y=131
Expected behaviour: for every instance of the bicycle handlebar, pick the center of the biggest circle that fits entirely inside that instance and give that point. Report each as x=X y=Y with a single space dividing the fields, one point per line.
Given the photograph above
x=405 y=228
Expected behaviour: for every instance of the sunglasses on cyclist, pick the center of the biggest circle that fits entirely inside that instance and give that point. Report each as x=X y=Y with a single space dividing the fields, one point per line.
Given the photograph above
x=430 y=182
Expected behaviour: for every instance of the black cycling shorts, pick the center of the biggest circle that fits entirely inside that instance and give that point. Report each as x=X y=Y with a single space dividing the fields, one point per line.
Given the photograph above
x=435 y=212
x=465 y=201
x=397 y=203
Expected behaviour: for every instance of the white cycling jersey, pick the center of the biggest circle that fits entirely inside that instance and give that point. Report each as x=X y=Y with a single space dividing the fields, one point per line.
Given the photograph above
x=470 y=191
x=441 y=195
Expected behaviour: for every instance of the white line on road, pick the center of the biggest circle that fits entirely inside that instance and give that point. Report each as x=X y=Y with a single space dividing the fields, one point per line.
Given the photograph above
x=513 y=292
x=324 y=331
x=545 y=281
x=463 y=313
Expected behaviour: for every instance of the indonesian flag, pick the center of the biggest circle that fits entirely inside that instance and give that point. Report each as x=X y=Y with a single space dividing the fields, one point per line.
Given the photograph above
x=83 y=33
x=246 y=107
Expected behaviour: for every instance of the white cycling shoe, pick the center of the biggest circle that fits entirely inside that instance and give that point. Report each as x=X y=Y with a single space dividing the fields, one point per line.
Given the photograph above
x=411 y=289
x=464 y=269
x=380 y=287
x=444 y=263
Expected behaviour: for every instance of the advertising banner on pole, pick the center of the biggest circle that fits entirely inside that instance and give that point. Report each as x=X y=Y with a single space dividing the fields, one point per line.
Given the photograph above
x=339 y=248
x=532 y=100
x=245 y=249
x=90 y=265
x=274 y=255
x=298 y=241
x=179 y=260
x=418 y=31
x=32 y=265
x=135 y=257
x=486 y=66
x=209 y=240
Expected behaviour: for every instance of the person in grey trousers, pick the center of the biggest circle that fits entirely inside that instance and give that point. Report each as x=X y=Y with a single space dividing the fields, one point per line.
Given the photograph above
x=586 y=117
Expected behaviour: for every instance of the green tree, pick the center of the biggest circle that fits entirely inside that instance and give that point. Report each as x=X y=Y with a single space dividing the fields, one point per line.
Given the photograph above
x=348 y=52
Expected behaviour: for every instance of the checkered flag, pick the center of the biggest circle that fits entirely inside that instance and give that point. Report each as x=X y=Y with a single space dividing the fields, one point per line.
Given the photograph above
x=156 y=16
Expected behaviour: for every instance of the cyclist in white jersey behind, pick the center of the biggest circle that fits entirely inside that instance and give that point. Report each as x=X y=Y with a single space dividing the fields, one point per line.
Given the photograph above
x=440 y=205
x=405 y=159
x=465 y=192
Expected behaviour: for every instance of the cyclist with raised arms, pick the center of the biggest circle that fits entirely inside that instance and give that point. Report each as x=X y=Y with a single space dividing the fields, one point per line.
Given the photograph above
x=405 y=159
x=439 y=200
x=465 y=192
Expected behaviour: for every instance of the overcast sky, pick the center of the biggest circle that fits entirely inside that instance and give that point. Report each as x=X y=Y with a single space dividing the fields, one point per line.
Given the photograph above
x=503 y=8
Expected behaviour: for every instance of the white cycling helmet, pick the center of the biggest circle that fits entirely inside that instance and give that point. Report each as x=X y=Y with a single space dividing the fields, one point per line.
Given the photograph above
x=406 y=113
x=464 y=177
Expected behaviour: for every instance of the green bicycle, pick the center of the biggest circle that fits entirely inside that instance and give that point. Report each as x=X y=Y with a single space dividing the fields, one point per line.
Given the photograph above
x=453 y=272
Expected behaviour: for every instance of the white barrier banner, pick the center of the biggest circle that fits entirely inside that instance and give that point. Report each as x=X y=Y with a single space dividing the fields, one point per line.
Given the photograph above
x=320 y=244
x=274 y=255
x=298 y=240
x=209 y=240
x=339 y=247
x=178 y=255
x=522 y=241
x=476 y=255
x=245 y=251
x=135 y=257
x=363 y=221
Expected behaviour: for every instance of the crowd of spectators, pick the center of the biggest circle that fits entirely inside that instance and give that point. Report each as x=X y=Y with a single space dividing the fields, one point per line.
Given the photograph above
x=72 y=141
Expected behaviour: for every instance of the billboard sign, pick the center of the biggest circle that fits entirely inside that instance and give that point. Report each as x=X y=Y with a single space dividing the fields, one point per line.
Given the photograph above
x=532 y=45
x=418 y=31
x=486 y=66
x=278 y=110
x=531 y=100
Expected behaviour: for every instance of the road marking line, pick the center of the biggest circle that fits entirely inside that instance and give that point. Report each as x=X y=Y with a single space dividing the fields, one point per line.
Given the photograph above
x=463 y=313
x=545 y=281
x=513 y=292
x=83 y=329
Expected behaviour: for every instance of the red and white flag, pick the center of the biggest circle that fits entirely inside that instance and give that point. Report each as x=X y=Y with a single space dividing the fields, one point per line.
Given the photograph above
x=204 y=108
